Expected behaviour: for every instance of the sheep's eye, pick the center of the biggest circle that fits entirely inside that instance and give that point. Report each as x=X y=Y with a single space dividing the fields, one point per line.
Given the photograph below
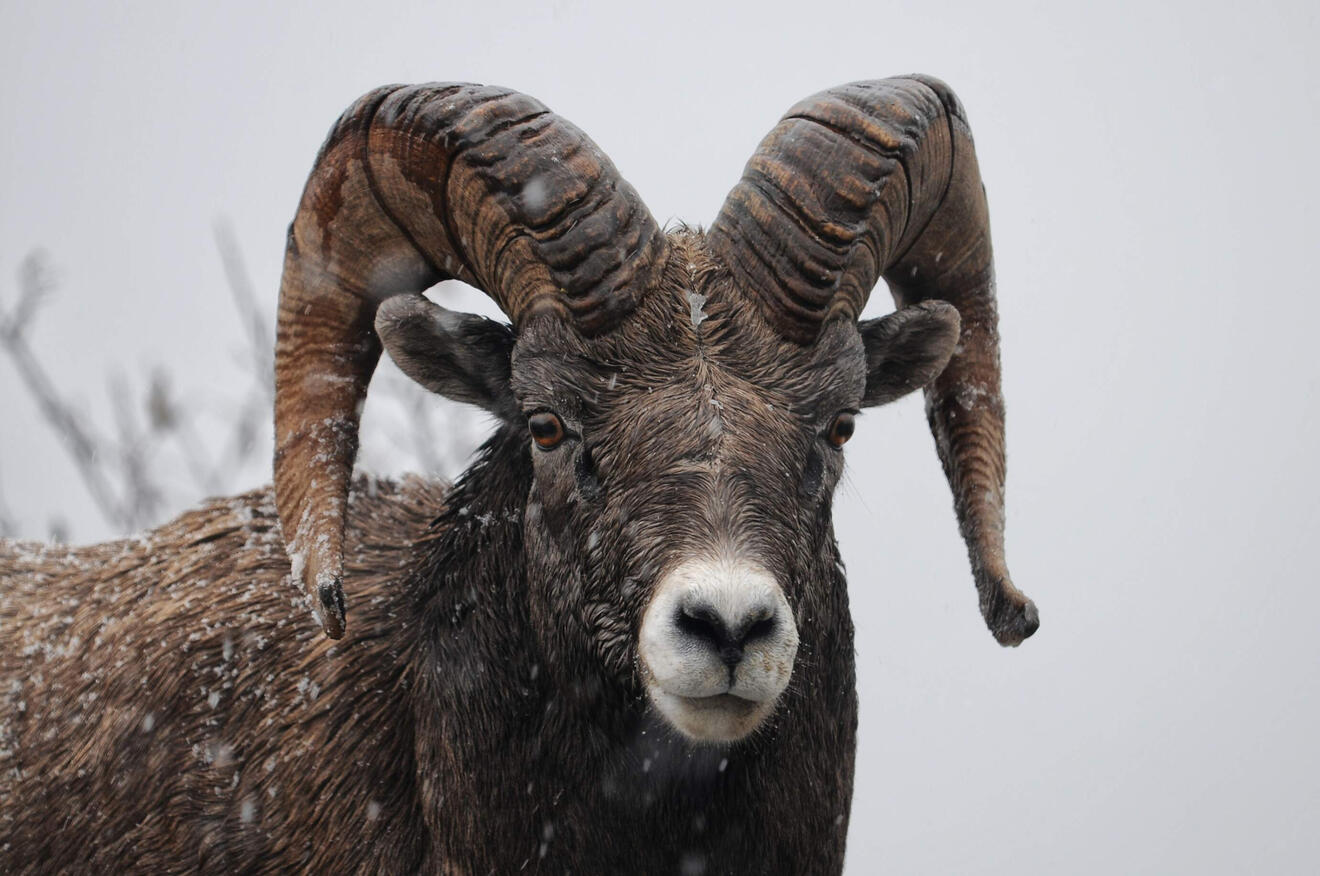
x=547 y=429
x=841 y=429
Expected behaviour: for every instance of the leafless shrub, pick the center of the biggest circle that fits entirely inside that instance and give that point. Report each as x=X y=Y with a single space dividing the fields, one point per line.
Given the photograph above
x=163 y=451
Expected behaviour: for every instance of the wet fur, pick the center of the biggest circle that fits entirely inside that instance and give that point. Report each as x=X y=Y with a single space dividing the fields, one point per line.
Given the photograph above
x=171 y=705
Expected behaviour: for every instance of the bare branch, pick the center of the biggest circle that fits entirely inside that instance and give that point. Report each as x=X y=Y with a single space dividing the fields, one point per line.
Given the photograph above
x=35 y=283
x=243 y=438
x=166 y=416
x=255 y=322
x=218 y=440
x=142 y=496
x=36 y=280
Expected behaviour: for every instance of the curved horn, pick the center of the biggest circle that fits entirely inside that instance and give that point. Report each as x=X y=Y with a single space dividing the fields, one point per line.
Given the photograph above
x=416 y=184
x=880 y=179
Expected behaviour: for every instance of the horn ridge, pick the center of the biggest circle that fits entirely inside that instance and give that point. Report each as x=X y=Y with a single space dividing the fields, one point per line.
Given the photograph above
x=834 y=162
x=928 y=236
x=374 y=186
x=415 y=184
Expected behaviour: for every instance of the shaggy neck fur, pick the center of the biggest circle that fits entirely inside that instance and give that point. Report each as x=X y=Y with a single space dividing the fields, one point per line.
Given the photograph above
x=484 y=712
x=574 y=770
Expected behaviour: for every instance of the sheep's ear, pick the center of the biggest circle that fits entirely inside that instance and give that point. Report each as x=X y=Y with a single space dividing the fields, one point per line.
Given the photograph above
x=907 y=349
x=458 y=355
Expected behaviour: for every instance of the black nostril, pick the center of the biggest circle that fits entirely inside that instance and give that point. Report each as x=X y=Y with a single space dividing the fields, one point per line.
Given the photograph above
x=760 y=629
x=703 y=622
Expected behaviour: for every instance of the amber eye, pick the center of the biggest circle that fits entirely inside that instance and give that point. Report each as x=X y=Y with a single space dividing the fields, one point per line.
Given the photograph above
x=841 y=429
x=547 y=429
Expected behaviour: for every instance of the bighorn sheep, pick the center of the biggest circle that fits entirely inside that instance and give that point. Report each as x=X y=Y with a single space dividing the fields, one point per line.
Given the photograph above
x=621 y=642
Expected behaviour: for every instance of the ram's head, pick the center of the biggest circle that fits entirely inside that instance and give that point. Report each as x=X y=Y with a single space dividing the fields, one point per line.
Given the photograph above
x=684 y=398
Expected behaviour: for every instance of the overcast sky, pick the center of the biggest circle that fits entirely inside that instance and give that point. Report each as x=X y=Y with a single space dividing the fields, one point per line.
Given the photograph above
x=1152 y=184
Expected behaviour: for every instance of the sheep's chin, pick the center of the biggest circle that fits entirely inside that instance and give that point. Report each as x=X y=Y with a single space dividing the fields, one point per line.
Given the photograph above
x=722 y=718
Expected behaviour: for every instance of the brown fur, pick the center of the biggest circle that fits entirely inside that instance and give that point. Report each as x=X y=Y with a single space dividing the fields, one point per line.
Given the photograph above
x=180 y=710
x=167 y=705
x=171 y=707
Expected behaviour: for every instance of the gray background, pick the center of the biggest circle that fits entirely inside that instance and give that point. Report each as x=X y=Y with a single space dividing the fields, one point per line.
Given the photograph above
x=1152 y=183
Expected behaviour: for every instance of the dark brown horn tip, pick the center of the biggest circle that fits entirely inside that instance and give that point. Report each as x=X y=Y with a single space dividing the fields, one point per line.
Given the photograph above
x=952 y=105
x=331 y=594
x=323 y=578
x=1011 y=616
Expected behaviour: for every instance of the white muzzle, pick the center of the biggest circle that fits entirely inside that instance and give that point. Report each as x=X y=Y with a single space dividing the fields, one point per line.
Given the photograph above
x=717 y=646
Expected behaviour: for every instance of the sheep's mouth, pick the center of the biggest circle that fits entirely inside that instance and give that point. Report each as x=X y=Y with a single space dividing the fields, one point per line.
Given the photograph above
x=716 y=645
x=719 y=718
x=721 y=702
